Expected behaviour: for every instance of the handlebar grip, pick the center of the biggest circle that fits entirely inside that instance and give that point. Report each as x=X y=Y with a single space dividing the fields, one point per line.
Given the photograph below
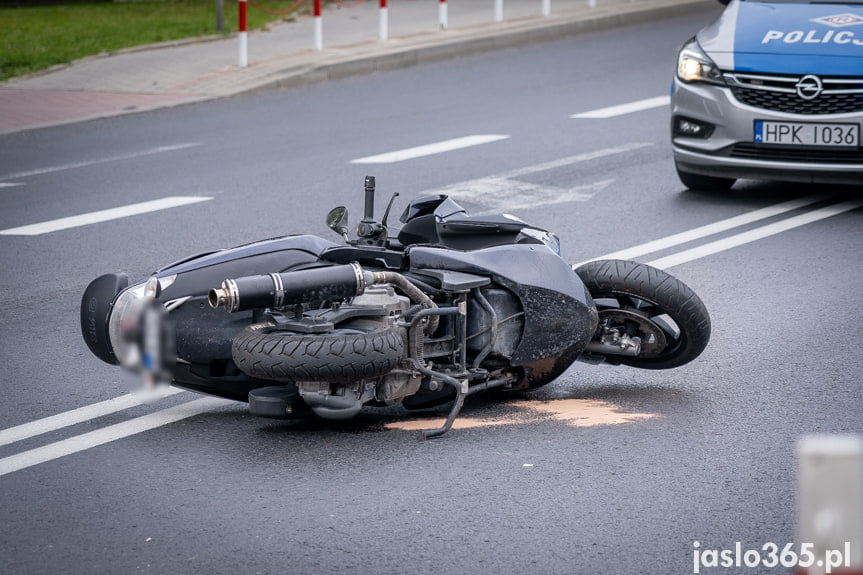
x=369 y=212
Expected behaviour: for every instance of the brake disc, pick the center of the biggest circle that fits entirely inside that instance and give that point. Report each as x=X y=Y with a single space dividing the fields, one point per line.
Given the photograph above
x=652 y=336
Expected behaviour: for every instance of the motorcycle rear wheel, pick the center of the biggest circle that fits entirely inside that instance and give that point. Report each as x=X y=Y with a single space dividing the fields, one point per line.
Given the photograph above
x=343 y=356
x=636 y=299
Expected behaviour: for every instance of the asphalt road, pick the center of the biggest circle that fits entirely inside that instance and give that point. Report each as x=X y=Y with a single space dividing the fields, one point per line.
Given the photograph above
x=707 y=454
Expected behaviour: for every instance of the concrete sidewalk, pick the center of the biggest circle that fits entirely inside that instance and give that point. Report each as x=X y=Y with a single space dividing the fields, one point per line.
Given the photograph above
x=176 y=73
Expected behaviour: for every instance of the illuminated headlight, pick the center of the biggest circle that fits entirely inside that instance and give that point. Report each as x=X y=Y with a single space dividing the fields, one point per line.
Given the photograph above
x=693 y=65
x=125 y=318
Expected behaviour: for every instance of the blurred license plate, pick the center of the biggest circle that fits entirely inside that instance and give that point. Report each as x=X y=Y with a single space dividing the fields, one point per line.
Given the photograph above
x=805 y=134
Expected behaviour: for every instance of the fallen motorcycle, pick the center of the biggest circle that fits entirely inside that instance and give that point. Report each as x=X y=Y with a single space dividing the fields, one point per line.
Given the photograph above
x=447 y=306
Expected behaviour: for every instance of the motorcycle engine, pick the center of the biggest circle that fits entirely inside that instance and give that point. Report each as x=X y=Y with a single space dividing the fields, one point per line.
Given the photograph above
x=343 y=401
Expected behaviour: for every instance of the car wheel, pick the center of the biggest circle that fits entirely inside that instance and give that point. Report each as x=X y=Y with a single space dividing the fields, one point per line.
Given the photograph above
x=704 y=183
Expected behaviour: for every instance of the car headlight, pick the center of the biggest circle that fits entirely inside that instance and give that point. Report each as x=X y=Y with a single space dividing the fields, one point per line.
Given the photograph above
x=693 y=65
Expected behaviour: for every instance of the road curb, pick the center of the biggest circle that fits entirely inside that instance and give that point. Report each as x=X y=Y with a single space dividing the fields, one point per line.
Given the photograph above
x=474 y=41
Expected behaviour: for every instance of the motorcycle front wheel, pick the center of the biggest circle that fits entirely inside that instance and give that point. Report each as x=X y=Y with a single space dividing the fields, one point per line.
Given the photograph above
x=636 y=302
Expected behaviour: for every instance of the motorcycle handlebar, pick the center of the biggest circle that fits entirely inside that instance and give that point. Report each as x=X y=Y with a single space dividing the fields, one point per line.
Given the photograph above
x=289 y=288
x=369 y=211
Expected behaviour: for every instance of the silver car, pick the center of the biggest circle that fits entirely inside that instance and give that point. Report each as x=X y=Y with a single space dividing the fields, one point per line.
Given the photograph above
x=772 y=90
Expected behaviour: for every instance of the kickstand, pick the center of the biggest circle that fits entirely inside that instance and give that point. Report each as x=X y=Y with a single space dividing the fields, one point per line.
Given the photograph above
x=461 y=388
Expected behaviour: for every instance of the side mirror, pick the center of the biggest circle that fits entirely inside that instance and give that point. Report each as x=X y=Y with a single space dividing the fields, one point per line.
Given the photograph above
x=337 y=220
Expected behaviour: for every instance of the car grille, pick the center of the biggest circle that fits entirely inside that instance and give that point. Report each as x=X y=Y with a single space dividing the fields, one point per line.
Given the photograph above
x=781 y=154
x=779 y=93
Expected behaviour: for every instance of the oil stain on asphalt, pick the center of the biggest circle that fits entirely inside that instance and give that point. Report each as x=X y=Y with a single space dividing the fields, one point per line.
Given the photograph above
x=573 y=412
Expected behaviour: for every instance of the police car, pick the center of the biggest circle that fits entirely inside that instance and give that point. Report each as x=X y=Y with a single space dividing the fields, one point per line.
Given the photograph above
x=772 y=90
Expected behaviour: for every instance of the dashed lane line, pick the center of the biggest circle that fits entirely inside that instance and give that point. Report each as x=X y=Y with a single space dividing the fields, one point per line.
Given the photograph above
x=430 y=149
x=93 y=162
x=103 y=215
x=623 y=109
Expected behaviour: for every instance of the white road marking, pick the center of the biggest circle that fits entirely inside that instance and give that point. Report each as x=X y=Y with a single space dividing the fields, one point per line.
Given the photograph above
x=629 y=108
x=86 y=413
x=708 y=230
x=107 y=434
x=103 y=215
x=518 y=195
x=504 y=191
x=756 y=234
x=10 y=184
x=430 y=149
x=130 y=156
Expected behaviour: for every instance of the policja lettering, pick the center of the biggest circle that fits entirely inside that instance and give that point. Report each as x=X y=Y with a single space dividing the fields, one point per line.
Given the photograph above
x=811 y=37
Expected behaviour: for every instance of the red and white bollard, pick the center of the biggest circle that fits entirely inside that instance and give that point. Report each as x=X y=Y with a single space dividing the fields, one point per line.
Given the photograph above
x=243 y=35
x=383 y=28
x=442 y=15
x=319 y=27
x=830 y=505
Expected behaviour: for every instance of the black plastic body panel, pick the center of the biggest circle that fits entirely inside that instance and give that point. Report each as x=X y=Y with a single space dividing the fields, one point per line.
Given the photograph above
x=365 y=255
x=560 y=317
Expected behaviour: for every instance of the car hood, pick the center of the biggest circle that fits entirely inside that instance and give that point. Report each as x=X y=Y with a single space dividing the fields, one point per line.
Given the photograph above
x=823 y=39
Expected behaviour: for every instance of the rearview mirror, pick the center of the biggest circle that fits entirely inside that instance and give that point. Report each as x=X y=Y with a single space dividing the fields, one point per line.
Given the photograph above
x=337 y=220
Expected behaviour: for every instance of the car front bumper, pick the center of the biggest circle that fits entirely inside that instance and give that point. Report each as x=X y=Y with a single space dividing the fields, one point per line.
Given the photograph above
x=730 y=152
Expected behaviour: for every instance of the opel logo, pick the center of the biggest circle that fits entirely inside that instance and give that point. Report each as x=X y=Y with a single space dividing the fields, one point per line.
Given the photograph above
x=809 y=87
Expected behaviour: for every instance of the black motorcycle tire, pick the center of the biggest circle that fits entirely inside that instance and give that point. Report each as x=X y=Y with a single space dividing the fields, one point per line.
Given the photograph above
x=343 y=356
x=663 y=294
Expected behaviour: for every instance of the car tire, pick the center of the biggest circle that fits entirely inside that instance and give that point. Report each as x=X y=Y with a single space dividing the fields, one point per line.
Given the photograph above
x=704 y=183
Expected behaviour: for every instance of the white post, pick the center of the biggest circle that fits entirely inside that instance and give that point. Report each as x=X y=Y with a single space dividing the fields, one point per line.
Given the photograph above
x=383 y=28
x=592 y=3
x=829 y=505
x=244 y=49
x=442 y=15
x=546 y=8
x=319 y=34
x=498 y=10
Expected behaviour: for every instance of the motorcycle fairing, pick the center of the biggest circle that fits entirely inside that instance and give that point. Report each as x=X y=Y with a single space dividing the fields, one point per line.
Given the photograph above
x=438 y=220
x=208 y=349
x=559 y=313
x=313 y=245
x=203 y=336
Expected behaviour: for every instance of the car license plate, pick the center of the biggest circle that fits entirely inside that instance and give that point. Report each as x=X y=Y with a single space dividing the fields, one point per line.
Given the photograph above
x=805 y=134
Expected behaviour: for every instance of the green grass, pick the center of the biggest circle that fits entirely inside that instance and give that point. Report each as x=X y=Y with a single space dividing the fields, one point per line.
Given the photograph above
x=36 y=38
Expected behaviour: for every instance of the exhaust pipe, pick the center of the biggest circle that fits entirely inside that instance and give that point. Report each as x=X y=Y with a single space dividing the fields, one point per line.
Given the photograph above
x=289 y=288
x=319 y=284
